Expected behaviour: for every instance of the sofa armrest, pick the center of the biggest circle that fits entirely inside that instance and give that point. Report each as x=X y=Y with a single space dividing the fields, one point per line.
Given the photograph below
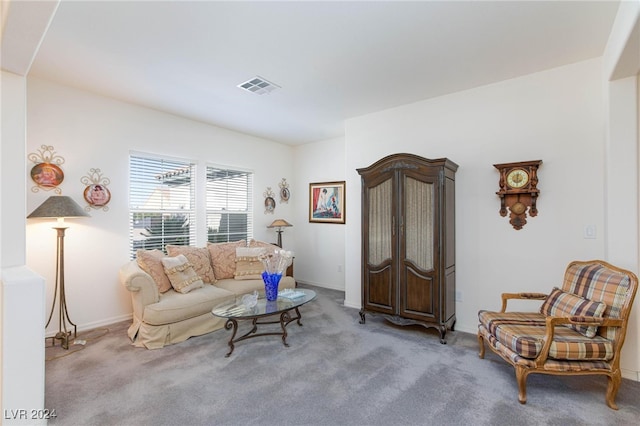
x=522 y=296
x=289 y=271
x=143 y=288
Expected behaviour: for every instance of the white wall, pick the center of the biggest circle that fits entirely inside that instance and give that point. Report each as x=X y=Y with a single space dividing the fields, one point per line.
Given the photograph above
x=558 y=116
x=621 y=206
x=621 y=65
x=91 y=131
x=12 y=172
x=21 y=290
x=555 y=116
x=320 y=245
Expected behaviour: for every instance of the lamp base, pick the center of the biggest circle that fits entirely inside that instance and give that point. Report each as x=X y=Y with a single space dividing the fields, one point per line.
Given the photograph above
x=63 y=336
x=63 y=315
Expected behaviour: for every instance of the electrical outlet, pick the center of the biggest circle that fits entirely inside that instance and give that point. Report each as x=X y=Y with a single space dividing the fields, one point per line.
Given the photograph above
x=590 y=232
x=339 y=268
x=458 y=296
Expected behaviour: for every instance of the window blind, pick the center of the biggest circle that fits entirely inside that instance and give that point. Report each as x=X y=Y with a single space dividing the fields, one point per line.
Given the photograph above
x=229 y=206
x=161 y=202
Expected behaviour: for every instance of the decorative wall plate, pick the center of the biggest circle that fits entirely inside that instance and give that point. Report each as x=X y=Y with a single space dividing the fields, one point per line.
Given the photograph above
x=284 y=191
x=46 y=173
x=96 y=193
x=269 y=201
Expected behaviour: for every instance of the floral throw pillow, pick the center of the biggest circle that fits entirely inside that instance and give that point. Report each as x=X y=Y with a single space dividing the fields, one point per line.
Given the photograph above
x=223 y=258
x=270 y=248
x=198 y=257
x=150 y=261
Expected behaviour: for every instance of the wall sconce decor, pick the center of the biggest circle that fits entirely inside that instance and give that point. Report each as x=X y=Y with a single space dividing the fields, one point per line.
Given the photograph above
x=279 y=223
x=60 y=207
x=46 y=173
x=96 y=193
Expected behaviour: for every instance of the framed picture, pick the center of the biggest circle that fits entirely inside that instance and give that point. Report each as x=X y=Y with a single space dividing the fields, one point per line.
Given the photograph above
x=327 y=202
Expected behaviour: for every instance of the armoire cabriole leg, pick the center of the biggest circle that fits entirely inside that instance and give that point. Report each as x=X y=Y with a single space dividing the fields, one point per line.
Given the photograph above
x=521 y=377
x=481 y=344
x=613 y=382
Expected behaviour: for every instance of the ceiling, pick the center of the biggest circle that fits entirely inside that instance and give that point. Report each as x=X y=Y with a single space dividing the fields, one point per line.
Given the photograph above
x=332 y=60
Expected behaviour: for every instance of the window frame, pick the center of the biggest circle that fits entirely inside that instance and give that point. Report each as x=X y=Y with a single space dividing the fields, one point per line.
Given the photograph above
x=248 y=211
x=167 y=214
x=199 y=214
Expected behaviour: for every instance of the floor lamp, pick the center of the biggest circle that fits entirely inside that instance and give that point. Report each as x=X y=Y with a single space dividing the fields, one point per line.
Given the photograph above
x=60 y=207
x=279 y=223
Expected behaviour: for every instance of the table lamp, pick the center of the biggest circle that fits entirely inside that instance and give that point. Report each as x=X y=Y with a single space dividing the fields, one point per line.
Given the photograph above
x=60 y=207
x=279 y=223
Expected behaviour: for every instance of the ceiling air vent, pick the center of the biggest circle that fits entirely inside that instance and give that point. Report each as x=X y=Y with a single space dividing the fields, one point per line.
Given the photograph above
x=259 y=86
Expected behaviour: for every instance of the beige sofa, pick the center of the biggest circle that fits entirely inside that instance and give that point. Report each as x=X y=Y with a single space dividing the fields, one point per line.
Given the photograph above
x=170 y=317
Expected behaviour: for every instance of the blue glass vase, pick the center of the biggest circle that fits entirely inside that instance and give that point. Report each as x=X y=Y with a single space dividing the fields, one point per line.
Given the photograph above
x=271 y=281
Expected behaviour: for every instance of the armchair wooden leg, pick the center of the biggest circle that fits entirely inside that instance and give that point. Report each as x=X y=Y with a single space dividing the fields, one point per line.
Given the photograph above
x=613 y=383
x=521 y=378
x=481 y=343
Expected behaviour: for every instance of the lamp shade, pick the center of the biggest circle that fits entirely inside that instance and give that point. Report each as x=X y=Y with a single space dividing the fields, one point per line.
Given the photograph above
x=279 y=223
x=58 y=206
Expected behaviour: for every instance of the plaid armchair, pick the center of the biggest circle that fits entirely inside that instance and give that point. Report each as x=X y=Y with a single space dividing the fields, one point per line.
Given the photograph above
x=579 y=328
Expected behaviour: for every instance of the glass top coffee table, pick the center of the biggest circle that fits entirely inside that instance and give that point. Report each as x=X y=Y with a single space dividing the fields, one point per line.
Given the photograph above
x=286 y=302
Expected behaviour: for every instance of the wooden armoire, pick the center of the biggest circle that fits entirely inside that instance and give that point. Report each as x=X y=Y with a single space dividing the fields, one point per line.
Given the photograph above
x=408 y=241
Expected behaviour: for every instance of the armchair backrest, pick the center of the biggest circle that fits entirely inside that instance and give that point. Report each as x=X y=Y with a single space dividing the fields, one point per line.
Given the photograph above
x=600 y=281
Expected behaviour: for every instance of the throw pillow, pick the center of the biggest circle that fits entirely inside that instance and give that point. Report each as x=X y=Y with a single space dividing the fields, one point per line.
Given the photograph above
x=181 y=274
x=223 y=258
x=150 y=261
x=270 y=248
x=248 y=263
x=198 y=257
x=562 y=304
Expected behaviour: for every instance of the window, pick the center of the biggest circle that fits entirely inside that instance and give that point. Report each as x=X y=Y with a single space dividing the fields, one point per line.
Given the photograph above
x=229 y=206
x=161 y=203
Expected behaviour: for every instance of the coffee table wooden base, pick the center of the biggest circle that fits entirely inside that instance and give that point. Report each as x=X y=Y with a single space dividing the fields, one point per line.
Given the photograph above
x=285 y=319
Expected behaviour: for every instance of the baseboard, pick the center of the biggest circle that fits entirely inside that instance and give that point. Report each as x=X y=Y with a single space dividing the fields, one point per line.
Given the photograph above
x=631 y=375
x=323 y=285
x=351 y=305
x=96 y=324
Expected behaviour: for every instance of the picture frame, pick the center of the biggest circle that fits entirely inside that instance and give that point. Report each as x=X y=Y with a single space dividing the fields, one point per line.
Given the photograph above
x=327 y=202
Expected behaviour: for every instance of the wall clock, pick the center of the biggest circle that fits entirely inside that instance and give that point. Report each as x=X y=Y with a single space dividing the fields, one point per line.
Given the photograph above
x=518 y=191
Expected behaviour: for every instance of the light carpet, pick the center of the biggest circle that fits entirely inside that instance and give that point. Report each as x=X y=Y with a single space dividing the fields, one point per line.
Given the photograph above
x=335 y=372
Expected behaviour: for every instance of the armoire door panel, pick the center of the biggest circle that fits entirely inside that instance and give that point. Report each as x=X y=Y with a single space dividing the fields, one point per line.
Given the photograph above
x=419 y=295
x=450 y=284
x=450 y=234
x=381 y=291
x=380 y=223
x=418 y=222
